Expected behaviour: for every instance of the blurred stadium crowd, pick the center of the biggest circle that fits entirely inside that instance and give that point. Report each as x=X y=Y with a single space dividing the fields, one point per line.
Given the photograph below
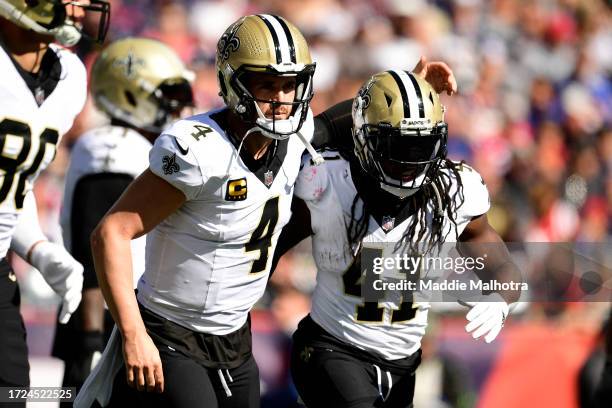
x=532 y=115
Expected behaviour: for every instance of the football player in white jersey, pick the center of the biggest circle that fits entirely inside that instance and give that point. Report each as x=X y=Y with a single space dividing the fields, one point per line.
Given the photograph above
x=212 y=203
x=141 y=85
x=395 y=186
x=42 y=89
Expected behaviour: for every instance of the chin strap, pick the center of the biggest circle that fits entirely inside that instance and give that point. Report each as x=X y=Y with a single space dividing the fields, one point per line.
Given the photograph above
x=317 y=159
x=249 y=132
x=399 y=192
x=67 y=35
x=286 y=125
x=438 y=198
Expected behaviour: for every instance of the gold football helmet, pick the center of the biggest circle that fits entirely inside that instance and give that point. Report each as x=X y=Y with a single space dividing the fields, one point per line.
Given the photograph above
x=399 y=131
x=268 y=44
x=141 y=82
x=49 y=17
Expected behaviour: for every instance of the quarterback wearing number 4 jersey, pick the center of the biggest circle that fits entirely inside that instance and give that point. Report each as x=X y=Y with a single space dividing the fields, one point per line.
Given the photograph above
x=219 y=244
x=140 y=100
x=212 y=202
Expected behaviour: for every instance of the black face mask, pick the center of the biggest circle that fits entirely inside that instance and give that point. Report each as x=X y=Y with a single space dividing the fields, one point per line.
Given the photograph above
x=93 y=29
x=242 y=79
x=172 y=97
x=404 y=157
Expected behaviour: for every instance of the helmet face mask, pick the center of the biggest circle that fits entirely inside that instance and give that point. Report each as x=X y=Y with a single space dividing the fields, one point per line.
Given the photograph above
x=399 y=131
x=49 y=17
x=298 y=108
x=97 y=32
x=141 y=82
x=265 y=45
x=171 y=97
x=408 y=157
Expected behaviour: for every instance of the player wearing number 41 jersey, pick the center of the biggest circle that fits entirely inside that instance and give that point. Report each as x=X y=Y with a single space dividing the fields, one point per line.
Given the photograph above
x=395 y=188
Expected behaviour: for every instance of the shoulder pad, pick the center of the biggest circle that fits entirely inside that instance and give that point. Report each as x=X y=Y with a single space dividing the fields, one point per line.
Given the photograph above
x=476 y=196
x=189 y=131
x=178 y=166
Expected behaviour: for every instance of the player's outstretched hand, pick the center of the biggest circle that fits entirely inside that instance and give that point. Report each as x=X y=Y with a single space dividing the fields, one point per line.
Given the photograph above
x=143 y=365
x=486 y=318
x=62 y=272
x=438 y=74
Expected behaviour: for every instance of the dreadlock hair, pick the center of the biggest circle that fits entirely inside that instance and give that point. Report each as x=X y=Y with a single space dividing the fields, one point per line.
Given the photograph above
x=436 y=192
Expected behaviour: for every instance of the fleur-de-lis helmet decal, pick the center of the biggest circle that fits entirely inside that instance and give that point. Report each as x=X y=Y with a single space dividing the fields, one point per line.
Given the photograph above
x=229 y=42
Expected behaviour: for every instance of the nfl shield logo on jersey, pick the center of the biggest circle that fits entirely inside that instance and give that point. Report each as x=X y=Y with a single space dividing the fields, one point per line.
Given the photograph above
x=268 y=178
x=388 y=223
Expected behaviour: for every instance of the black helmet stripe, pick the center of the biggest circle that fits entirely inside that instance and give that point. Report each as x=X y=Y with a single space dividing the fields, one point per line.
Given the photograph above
x=289 y=37
x=402 y=88
x=277 y=47
x=417 y=88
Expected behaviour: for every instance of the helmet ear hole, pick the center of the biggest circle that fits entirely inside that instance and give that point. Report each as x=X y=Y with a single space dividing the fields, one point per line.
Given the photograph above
x=388 y=99
x=130 y=98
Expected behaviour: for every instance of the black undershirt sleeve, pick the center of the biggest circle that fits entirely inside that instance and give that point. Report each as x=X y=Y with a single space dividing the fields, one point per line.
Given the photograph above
x=334 y=127
x=297 y=229
x=94 y=195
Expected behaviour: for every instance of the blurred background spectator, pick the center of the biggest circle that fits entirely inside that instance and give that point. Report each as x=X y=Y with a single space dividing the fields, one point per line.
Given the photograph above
x=532 y=115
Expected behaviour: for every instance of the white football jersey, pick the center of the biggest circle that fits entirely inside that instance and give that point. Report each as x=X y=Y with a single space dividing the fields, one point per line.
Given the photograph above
x=392 y=328
x=30 y=133
x=208 y=263
x=107 y=149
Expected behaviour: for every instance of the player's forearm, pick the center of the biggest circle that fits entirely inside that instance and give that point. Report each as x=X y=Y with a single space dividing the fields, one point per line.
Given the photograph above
x=334 y=127
x=480 y=240
x=28 y=232
x=498 y=264
x=113 y=262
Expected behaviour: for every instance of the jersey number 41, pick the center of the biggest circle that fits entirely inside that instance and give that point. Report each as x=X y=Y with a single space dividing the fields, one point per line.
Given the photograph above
x=360 y=276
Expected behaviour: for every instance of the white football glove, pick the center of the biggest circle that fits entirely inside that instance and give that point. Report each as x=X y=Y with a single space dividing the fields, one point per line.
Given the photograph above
x=62 y=272
x=486 y=318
